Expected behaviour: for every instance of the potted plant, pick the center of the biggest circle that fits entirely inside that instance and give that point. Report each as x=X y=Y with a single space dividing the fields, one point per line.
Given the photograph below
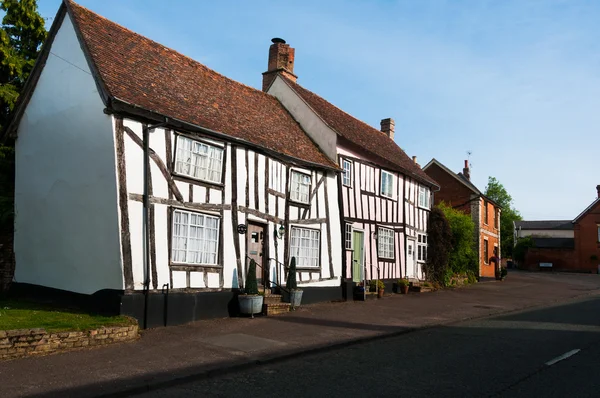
x=403 y=284
x=377 y=286
x=295 y=294
x=250 y=301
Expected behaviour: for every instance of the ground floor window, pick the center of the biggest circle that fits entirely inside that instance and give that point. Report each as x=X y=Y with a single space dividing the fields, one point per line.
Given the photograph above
x=385 y=243
x=304 y=245
x=348 y=236
x=195 y=238
x=421 y=247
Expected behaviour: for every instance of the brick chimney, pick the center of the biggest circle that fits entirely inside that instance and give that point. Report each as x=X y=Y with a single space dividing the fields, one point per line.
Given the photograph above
x=466 y=171
x=281 y=60
x=598 y=189
x=388 y=126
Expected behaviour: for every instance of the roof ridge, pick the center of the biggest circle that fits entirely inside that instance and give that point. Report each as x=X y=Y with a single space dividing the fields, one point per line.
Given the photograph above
x=198 y=63
x=341 y=110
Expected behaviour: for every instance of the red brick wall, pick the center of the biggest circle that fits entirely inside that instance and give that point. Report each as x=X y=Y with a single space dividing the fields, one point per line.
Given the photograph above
x=586 y=239
x=561 y=259
x=452 y=192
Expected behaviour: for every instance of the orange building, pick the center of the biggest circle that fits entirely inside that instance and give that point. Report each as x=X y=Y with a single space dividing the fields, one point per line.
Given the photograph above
x=458 y=191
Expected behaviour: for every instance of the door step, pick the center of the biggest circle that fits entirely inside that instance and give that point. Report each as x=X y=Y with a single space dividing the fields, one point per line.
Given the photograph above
x=273 y=299
x=276 y=308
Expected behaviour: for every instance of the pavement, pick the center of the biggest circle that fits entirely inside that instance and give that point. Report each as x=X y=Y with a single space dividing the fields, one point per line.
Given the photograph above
x=166 y=357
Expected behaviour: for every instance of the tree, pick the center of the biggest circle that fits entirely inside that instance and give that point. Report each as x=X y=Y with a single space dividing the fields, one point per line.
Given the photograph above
x=439 y=237
x=496 y=191
x=21 y=36
x=463 y=258
x=520 y=249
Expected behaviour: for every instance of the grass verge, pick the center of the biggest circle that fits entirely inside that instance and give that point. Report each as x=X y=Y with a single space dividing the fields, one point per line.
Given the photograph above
x=27 y=315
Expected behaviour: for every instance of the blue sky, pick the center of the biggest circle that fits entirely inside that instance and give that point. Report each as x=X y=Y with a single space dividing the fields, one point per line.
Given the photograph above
x=516 y=82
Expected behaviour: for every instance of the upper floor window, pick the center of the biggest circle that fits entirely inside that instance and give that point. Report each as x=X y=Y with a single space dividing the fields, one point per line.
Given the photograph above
x=385 y=243
x=387 y=184
x=195 y=238
x=486 y=249
x=485 y=212
x=496 y=216
x=348 y=236
x=199 y=160
x=347 y=174
x=422 y=247
x=424 y=197
x=300 y=187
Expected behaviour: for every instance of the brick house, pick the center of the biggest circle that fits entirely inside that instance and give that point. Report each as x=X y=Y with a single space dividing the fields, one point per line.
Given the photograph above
x=564 y=245
x=457 y=190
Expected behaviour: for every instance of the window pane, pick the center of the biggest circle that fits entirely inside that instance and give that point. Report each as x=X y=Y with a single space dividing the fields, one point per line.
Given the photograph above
x=195 y=238
x=304 y=245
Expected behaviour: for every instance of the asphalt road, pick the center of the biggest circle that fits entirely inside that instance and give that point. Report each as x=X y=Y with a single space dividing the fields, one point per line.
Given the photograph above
x=515 y=355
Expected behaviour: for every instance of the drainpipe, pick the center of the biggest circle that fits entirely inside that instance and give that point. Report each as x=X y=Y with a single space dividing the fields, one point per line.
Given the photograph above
x=146 y=236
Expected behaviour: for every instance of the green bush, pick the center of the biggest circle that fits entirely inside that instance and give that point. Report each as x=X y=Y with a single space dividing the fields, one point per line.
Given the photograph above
x=520 y=250
x=251 y=282
x=439 y=246
x=403 y=282
x=471 y=278
x=462 y=255
x=291 y=282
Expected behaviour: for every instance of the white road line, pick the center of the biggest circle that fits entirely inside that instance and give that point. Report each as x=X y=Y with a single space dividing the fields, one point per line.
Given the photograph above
x=563 y=356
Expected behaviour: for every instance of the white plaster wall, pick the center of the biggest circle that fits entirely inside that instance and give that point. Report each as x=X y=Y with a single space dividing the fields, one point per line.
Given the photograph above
x=545 y=233
x=312 y=124
x=66 y=226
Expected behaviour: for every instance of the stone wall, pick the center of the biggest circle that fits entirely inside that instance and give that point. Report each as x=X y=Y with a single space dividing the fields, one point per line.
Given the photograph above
x=30 y=342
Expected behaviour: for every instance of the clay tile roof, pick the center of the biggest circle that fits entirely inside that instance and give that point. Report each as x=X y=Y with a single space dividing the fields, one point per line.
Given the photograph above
x=146 y=74
x=361 y=134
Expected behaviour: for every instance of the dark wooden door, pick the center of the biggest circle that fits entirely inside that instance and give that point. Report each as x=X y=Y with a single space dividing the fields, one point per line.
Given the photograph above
x=255 y=248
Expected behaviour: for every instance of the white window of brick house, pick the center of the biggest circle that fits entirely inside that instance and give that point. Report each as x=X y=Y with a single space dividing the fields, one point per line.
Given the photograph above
x=387 y=184
x=304 y=245
x=422 y=247
x=199 y=160
x=385 y=243
x=348 y=236
x=299 y=187
x=195 y=238
x=347 y=174
x=424 y=197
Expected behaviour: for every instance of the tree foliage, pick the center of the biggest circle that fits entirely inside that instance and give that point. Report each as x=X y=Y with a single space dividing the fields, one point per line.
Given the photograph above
x=496 y=191
x=520 y=249
x=439 y=246
x=463 y=258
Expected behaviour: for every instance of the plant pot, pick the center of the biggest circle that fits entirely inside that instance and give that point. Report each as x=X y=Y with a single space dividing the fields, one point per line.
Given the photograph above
x=250 y=304
x=404 y=289
x=380 y=293
x=295 y=298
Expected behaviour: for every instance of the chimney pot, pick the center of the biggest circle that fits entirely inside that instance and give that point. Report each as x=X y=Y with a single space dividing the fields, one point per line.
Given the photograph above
x=388 y=126
x=414 y=159
x=466 y=171
x=281 y=61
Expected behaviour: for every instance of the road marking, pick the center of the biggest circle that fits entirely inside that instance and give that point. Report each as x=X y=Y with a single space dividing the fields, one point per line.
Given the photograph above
x=562 y=357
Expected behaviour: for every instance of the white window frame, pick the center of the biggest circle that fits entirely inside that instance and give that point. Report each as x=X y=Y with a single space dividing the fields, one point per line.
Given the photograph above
x=347 y=173
x=199 y=160
x=390 y=185
x=348 y=237
x=305 y=245
x=422 y=248
x=385 y=243
x=424 y=197
x=300 y=184
x=182 y=239
x=276 y=176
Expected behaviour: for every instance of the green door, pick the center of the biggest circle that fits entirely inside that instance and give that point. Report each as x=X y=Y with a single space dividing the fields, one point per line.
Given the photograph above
x=357 y=256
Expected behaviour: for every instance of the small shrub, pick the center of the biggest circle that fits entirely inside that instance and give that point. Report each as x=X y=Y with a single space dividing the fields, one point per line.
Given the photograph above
x=403 y=282
x=471 y=278
x=376 y=285
x=291 y=282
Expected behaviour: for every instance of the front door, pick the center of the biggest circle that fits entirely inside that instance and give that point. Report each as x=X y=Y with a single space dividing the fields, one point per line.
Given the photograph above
x=410 y=258
x=357 y=256
x=255 y=246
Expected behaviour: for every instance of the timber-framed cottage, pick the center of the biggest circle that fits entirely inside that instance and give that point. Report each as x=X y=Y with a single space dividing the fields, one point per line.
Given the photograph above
x=232 y=176
x=385 y=198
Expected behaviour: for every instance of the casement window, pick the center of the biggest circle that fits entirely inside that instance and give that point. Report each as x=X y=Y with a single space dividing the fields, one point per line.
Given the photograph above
x=385 y=243
x=486 y=251
x=424 y=197
x=199 y=160
x=422 y=247
x=195 y=238
x=276 y=176
x=304 y=245
x=347 y=174
x=348 y=236
x=485 y=212
x=387 y=184
x=299 y=187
